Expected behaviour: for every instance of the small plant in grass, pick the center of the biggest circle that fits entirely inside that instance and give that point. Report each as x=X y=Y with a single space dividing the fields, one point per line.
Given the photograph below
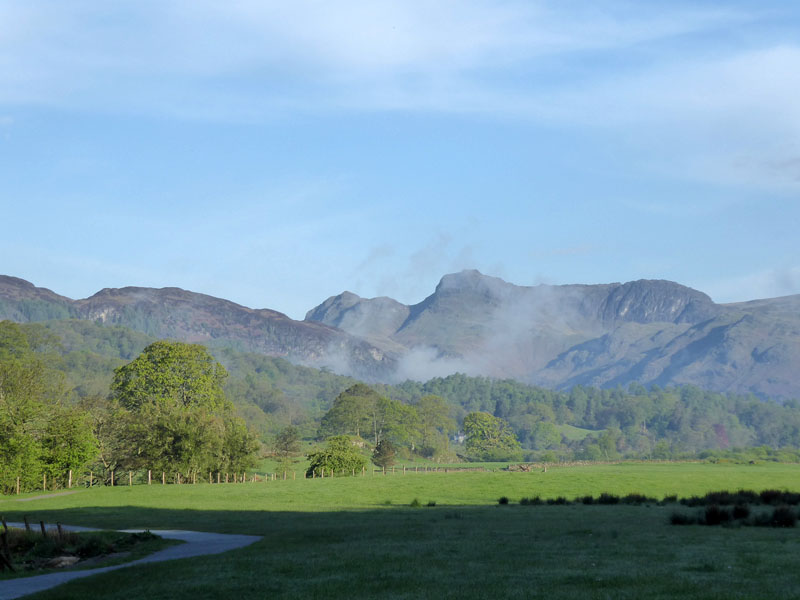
x=503 y=500
x=671 y=499
x=415 y=503
x=431 y=503
x=585 y=500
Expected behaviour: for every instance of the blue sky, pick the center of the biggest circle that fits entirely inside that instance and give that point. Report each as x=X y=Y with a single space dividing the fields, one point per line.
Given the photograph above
x=277 y=153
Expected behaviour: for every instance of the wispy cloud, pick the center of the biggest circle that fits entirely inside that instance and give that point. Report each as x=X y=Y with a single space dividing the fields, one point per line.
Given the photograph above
x=651 y=76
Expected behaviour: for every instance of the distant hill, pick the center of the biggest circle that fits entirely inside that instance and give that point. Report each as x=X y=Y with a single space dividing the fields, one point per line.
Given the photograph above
x=652 y=332
x=179 y=314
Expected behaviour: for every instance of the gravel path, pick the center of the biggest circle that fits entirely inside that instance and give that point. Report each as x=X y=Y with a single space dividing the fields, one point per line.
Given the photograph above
x=198 y=543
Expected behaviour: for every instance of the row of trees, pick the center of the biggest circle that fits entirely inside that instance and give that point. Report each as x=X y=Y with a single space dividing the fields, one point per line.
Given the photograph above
x=166 y=410
x=422 y=428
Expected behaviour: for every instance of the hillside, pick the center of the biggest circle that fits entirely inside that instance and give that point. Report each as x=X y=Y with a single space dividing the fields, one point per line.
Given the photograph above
x=188 y=316
x=651 y=332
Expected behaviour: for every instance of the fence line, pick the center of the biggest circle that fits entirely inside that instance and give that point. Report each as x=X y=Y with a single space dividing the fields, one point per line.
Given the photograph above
x=129 y=478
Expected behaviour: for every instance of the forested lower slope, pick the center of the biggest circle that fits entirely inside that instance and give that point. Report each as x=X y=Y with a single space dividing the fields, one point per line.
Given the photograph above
x=584 y=422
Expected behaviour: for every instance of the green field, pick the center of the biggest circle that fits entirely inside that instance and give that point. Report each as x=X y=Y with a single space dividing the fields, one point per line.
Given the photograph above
x=359 y=538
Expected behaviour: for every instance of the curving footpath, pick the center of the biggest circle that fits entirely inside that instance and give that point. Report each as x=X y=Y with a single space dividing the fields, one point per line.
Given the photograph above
x=198 y=543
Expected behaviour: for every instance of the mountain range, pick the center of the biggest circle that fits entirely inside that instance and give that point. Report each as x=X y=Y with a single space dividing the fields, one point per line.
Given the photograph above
x=649 y=331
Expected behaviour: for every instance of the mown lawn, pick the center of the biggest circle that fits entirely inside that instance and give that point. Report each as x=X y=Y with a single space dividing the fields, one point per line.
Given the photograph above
x=358 y=538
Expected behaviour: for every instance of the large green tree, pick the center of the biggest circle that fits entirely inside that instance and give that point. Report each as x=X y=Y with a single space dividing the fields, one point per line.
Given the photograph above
x=178 y=419
x=490 y=438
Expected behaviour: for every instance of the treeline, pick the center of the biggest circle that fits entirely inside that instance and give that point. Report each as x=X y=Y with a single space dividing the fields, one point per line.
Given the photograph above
x=614 y=423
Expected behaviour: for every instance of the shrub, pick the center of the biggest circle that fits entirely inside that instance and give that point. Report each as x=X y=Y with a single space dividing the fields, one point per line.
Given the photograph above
x=671 y=499
x=415 y=503
x=559 y=500
x=771 y=496
x=741 y=511
x=605 y=498
x=783 y=516
x=535 y=501
x=714 y=515
x=693 y=501
x=677 y=518
x=637 y=499
x=585 y=500
x=431 y=503
x=503 y=500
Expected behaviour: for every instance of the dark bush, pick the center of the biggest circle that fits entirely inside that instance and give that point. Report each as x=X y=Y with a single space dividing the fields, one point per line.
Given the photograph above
x=559 y=500
x=585 y=500
x=671 y=499
x=714 y=515
x=415 y=503
x=693 y=501
x=771 y=497
x=720 y=498
x=741 y=511
x=677 y=518
x=503 y=500
x=431 y=503
x=637 y=499
x=747 y=497
x=605 y=498
x=535 y=501
x=783 y=516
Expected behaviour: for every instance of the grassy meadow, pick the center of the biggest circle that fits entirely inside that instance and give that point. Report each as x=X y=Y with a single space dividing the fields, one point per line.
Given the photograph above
x=360 y=538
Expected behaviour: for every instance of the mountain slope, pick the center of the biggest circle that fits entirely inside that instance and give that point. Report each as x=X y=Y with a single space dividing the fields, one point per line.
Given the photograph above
x=654 y=332
x=188 y=316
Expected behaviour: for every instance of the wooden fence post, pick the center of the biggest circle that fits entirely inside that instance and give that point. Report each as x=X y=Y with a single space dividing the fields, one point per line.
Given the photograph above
x=294 y=475
x=69 y=480
x=27 y=525
x=17 y=486
x=218 y=476
x=149 y=477
x=130 y=478
x=112 y=478
x=163 y=478
x=91 y=478
x=226 y=478
x=44 y=530
x=404 y=469
x=363 y=470
x=44 y=481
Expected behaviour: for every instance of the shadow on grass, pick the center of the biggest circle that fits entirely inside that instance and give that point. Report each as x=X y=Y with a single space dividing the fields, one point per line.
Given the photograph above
x=507 y=551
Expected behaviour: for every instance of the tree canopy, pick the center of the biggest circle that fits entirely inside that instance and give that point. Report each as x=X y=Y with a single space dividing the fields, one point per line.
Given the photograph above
x=171 y=372
x=490 y=438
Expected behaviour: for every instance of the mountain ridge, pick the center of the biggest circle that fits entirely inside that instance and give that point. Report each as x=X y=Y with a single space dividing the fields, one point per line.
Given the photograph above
x=649 y=331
